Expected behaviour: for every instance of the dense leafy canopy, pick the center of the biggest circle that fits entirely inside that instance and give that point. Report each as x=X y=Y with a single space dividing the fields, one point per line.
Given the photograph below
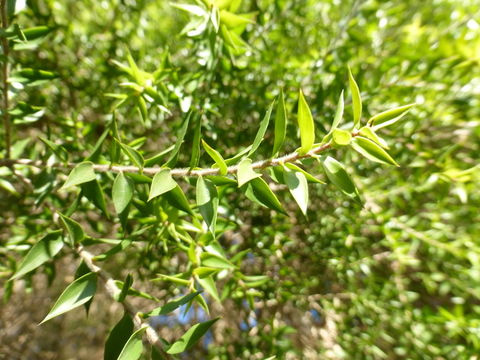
x=270 y=178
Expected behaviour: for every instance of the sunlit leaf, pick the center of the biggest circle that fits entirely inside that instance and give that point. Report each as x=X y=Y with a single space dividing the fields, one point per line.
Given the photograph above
x=191 y=337
x=207 y=202
x=280 y=124
x=337 y=174
x=306 y=125
x=77 y=293
x=356 y=99
x=245 y=172
x=80 y=174
x=74 y=229
x=215 y=155
x=118 y=337
x=172 y=305
x=134 y=346
x=372 y=151
x=122 y=192
x=162 y=182
x=257 y=190
x=261 y=131
x=298 y=187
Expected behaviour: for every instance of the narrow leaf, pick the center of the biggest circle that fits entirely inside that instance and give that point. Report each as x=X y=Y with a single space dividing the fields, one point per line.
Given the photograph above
x=216 y=261
x=94 y=192
x=172 y=305
x=258 y=191
x=372 y=151
x=122 y=192
x=77 y=293
x=308 y=176
x=261 y=131
x=298 y=186
x=370 y=133
x=162 y=182
x=132 y=154
x=134 y=347
x=80 y=174
x=191 y=337
x=356 y=99
x=215 y=155
x=337 y=174
x=45 y=249
x=306 y=125
x=245 y=172
x=207 y=282
x=118 y=337
x=177 y=199
x=389 y=114
x=172 y=160
x=196 y=142
x=338 y=113
x=207 y=202
x=74 y=229
x=280 y=124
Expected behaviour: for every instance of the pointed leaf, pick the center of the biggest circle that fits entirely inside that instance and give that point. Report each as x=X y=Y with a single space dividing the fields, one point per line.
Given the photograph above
x=356 y=99
x=162 y=182
x=372 y=151
x=45 y=249
x=208 y=284
x=118 y=337
x=122 y=192
x=177 y=199
x=308 y=176
x=134 y=347
x=74 y=229
x=389 y=114
x=77 y=293
x=207 y=202
x=258 y=191
x=94 y=192
x=80 y=174
x=369 y=133
x=298 y=186
x=196 y=142
x=306 y=125
x=191 y=337
x=280 y=124
x=215 y=155
x=261 y=131
x=338 y=113
x=172 y=160
x=216 y=261
x=245 y=172
x=337 y=174
x=132 y=154
x=172 y=305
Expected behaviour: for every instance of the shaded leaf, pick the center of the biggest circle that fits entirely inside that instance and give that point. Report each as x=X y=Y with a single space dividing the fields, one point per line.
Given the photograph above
x=94 y=192
x=337 y=174
x=134 y=346
x=122 y=192
x=261 y=131
x=258 y=191
x=280 y=124
x=308 y=176
x=172 y=160
x=74 y=229
x=216 y=261
x=172 y=305
x=177 y=199
x=207 y=202
x=118 y=337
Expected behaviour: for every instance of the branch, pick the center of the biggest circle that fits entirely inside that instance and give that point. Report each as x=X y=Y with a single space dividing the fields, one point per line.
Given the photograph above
x=5 y=104
x=113 y=291
x=292 y=157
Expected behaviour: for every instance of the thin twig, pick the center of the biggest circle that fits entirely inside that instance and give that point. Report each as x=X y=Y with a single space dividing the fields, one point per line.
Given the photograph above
x=292 y=157
x=5 y=104
x=113 y=291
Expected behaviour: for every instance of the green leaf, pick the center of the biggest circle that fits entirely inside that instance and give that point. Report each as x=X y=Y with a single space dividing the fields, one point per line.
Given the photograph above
x=337 y=174
x=172 y=160
x=232 y=20
x=208 y=284
x=191 y=337
x=298 y=186
x=116 y=249
x=196 y=142
x=389 y=114
x=74 y=229
x=207 y=202
x=172 y=305
x=306 y=125
x=245 y=172
x=94 y=192
x=127 y=284
x=341 y=137
x=77 y=293
x=122 y=192
x=339 y=113
x=80 y=174
x=45 y=249
x=258 y=191
x=280 y=124
x=118 y=337
x=216 y=261
x=134 y=347
x=132 y=154
x=356 y=99
x=215 y=155
x=372 y=151
x=162 y=182
x=177 y=199
x=369 y=133
x=308 y=176
x=175 y=280
x=261 y=131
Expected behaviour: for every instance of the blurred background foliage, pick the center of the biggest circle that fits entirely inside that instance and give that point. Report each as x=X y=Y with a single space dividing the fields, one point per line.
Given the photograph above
x=398 y=278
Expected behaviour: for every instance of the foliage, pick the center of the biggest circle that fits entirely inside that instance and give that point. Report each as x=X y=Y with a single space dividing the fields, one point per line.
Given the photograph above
x=270 y=178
